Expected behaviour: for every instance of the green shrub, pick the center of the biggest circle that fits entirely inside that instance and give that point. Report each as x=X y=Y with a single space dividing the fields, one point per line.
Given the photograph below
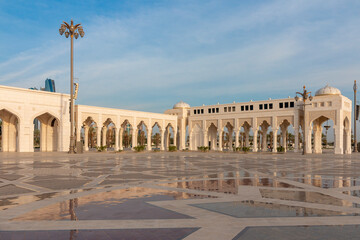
x=139 y=148
x=101 y=148
x=280 y=149
x=245 y=149
x=203 y=148
x=237 y=149
x=172 y=148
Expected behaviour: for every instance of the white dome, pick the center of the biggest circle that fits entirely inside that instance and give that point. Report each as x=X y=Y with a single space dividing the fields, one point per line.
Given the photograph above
x=327 y=90
x=181 y=104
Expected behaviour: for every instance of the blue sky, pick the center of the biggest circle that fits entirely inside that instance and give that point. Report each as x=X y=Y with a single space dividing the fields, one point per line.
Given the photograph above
x=148 y=55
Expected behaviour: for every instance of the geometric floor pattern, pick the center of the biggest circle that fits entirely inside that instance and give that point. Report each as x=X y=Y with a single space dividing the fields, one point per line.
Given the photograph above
x=180 y=195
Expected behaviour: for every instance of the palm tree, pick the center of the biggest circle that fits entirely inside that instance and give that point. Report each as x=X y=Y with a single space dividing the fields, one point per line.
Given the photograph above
x=141 y=138
x=92 y=136
x=156 y=139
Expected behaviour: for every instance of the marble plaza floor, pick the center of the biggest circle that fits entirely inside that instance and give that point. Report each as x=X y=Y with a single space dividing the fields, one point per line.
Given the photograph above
x=181 y=195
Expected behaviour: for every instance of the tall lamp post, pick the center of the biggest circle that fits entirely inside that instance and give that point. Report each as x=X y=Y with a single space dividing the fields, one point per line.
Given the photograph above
x=72 y=31
x=355 y=142
x=305 y=96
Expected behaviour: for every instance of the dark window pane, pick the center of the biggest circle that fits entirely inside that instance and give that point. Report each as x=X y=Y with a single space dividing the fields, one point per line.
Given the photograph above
x=292 y=104
x=233 y=109
x=247 y=107
x=217 y=110
x=209 y=110
x=251 y=107
x=213 y=110
x=270 y=106
x=260 y=106
x=202 y=111
x=194 y=111
x=242 y=108
x=286 y=105
x=281 y=105
x=225 y=109
x=265 y=106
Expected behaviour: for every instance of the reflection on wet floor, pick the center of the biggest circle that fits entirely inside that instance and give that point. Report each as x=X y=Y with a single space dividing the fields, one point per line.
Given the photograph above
x=10 y=202
x=304 y=196
x=108 y=234
x=254 y=209
x=326 y=181
x=229 y=186
x=130 y=203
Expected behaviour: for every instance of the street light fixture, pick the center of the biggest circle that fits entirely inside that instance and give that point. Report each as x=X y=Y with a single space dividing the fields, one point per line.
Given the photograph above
x=72 y=31
x=305 y=96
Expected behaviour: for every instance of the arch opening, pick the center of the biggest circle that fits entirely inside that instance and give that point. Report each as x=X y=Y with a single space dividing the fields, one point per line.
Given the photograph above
x=46 y=133
x=9 y=131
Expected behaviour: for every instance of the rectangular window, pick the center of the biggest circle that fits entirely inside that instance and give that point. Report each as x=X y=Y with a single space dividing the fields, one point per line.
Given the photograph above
x=242 y=108
x=198 y=111
x=251 y=107
x=265 y=106
x=213 y=110
x=202 y=111
x=229 y=109
x=286 y=105
x=233 y=109
x=260 y=106
x=292 y=104
x=329 y=104
x=194 y=111
x=217 y=110
x=209 y=110
x=322 y=104
x=270 y=106
x=247 y=107
x=225 y=109
x=281 y=105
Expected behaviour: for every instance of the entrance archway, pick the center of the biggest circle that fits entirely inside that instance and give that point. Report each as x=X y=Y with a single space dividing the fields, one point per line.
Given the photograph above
x=46 y=131
x=9 y=133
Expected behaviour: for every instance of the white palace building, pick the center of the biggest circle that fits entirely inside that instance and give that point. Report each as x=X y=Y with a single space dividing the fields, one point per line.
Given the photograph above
x=248 y=124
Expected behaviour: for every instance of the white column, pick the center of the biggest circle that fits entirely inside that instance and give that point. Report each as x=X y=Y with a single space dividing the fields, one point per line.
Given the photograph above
x=116 y=139
x=133 y=138
x=237 y=132
x=348 y=141
x=175 y=139
x=86 y=138
x=255 y=147
x=339 y=139
x=5 y=136
x=317 y=139
x=162 y=140
x=308 y=147
x=296 y=131
x=98 y=136
x=103 y=142
x=220 y=140
x=275 y=130
x=121 y=132
x=283 y=136
x=148 y=147
x=205 y=138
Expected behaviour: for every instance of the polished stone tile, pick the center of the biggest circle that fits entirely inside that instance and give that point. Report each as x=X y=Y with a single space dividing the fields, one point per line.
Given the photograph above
x=251 y=209
x=109 y=234
x=349 y=232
